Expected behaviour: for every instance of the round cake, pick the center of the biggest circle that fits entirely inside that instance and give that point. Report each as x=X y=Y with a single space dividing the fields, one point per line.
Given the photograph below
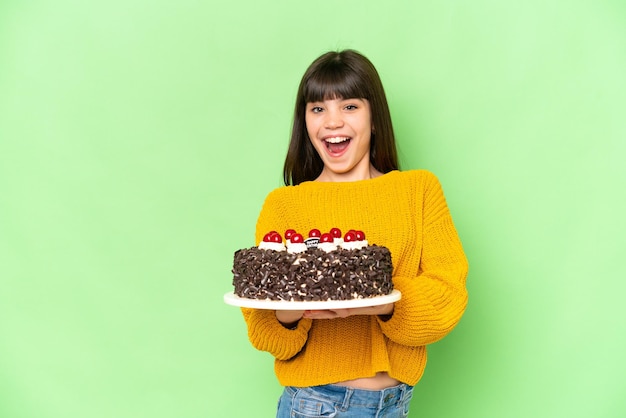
x=319 y=268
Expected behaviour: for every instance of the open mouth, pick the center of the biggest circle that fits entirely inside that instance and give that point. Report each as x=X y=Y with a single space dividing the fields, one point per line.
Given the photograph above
x=337 y=145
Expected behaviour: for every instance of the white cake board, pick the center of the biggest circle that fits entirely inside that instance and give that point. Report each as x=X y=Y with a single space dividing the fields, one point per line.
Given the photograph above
x=231 y=299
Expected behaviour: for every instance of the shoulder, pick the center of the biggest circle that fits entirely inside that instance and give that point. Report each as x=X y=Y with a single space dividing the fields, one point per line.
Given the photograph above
x=283 y=191
x=420 y=174
x=282 y=196
x=275 y=194
x=416 y=178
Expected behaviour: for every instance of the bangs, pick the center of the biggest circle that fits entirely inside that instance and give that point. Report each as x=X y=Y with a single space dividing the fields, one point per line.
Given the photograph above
x=334 y=83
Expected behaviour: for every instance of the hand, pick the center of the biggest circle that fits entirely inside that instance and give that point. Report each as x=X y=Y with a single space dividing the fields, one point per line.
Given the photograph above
x=386 y=309
x=289 y=318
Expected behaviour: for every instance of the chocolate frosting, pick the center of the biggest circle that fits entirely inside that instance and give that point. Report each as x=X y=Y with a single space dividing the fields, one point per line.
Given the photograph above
x=313 y=275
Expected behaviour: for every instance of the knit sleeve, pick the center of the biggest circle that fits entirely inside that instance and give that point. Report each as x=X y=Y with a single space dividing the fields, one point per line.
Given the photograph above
x=265 y=332
x=433 y=302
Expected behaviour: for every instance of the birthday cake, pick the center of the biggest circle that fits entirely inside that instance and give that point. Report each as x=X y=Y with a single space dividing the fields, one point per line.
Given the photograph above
x=321 y=267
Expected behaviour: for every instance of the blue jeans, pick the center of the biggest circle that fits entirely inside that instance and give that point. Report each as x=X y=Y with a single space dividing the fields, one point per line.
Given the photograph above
x=339 y=401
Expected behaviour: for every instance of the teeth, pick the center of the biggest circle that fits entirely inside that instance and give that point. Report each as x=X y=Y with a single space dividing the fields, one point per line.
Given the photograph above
x=337 y=139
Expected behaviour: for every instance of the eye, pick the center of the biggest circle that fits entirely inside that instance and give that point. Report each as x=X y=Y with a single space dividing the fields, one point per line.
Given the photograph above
x=351 y=107
x=315 y=109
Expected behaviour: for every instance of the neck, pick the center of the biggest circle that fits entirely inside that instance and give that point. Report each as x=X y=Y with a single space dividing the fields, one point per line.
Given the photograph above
x=366 y=173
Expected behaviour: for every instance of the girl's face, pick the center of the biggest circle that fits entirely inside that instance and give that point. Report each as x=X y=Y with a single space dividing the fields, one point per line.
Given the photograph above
x=340 y=130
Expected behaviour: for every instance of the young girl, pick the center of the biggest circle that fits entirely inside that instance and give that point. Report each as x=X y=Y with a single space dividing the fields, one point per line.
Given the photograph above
x=341 y=171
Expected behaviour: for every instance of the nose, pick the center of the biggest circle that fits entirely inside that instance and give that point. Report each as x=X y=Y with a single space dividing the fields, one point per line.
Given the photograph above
x=333 y=119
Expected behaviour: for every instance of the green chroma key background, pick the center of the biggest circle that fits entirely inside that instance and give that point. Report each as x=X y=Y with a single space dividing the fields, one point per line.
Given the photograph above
x=139 y=138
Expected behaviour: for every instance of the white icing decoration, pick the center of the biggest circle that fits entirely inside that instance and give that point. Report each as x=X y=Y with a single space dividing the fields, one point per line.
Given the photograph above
x=327 y=246
x=296 y=247
x=276 y=246
x=354 y=245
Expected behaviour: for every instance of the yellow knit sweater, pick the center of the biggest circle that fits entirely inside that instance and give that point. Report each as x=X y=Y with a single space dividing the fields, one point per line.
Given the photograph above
x=407 y=213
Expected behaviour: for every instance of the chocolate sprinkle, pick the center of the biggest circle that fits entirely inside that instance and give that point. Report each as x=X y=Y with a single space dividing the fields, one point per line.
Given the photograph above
x=313 y=275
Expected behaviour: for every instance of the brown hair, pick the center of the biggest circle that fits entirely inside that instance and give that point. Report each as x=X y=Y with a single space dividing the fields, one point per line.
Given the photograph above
x=339 y=75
